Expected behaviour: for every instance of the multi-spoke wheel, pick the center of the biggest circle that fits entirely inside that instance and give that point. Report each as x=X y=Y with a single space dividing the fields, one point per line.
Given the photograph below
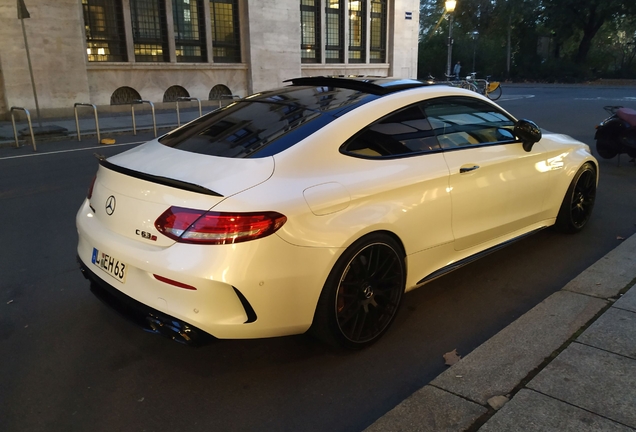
x=362 y=294
x=579 y=201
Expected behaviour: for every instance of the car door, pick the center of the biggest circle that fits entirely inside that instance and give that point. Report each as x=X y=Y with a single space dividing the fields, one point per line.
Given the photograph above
x=496 y=186
x=404 y=180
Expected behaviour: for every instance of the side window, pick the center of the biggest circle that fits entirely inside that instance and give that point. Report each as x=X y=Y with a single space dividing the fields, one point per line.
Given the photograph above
x=461 y=122
x=402 y=133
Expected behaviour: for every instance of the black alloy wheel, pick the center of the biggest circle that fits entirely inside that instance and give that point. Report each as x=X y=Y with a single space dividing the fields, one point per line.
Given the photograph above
x=362 y=294
x=579 y=200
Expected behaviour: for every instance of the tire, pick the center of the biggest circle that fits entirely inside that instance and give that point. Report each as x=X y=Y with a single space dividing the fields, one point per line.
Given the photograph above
x=469 y=86
x=578 y=203
x=362 y=294
x=605 y=148
x=495 y=94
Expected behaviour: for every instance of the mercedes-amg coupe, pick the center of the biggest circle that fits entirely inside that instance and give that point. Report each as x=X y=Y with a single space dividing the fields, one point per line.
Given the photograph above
x=315 y=206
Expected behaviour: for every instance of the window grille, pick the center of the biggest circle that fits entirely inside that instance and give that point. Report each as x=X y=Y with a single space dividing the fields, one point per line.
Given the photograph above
x=357 y=31
x=310 y=31
x=175 y=92
x=219 y=91
x=149 y=30
x=226 y=41
x=104 y=24
x=378 y=31
x=124 y=95
x=189 y=31
x=334 y=26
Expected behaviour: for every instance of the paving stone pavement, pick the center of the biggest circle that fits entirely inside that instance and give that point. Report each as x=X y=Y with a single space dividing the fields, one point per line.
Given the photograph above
x=569 y=364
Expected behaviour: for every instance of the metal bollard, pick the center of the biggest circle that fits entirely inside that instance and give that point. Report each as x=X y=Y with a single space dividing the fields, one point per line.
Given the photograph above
x=152 y=107
x=15 y=131
x=232 y=97
x=187 y=99
x=79 y=138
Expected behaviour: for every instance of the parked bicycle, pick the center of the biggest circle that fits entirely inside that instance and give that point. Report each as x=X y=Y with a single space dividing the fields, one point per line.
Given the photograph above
x=490 y=89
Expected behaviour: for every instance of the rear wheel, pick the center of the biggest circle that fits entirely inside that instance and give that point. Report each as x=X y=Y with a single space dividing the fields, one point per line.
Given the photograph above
x=578 y=203
x=362 y=294
x=495 y=93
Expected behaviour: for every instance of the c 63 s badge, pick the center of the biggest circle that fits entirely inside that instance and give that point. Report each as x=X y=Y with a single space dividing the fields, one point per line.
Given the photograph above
x=146 y=235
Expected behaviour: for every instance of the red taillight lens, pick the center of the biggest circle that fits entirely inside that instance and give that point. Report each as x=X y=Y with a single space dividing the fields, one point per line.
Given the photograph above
x=89 y=194
x=207 y=227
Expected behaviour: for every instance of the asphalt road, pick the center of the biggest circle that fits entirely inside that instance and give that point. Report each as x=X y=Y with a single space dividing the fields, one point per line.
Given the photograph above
x=68 y=363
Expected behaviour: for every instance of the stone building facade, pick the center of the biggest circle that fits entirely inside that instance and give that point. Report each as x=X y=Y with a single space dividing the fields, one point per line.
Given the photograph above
x=110 y=52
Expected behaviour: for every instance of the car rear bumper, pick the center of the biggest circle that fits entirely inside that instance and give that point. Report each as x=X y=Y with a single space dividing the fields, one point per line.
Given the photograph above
x=256 y=289
x=144 y=316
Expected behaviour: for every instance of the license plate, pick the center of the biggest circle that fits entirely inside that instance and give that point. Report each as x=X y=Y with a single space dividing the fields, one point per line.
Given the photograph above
x=110 y=265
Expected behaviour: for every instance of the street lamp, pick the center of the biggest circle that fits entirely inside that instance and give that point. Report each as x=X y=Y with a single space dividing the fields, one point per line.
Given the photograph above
x=450 y=7
x=474 y=35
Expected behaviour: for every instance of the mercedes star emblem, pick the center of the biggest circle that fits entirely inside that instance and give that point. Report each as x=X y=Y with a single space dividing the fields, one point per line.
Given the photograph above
x=110 y=205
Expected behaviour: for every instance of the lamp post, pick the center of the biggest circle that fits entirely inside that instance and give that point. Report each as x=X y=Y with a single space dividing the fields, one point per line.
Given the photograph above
x=474 y=35
x=450 y=7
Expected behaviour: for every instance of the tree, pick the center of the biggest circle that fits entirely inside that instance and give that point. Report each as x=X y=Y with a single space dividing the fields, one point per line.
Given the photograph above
x=567 y=17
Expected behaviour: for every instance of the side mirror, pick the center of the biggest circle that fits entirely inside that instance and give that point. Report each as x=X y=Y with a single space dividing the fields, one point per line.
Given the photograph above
x=528 y=132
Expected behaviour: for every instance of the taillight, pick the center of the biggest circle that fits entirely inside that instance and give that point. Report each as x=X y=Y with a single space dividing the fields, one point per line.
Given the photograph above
x=89 y=194
x=207 y=227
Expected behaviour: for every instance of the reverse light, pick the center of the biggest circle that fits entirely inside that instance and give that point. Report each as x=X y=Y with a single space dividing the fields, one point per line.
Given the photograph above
x=207 y=227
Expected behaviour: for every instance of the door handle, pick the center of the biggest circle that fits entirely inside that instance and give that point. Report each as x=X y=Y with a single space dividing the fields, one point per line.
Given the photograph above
x=468 y=169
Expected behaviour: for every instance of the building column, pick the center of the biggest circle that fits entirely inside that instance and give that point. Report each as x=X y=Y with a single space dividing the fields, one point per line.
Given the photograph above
x=274 y=43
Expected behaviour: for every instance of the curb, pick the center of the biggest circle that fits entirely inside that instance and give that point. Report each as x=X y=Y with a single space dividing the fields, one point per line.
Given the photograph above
x=468 y=394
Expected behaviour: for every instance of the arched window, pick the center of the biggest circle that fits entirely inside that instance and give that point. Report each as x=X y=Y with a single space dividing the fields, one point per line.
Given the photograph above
x=124 y=95
x=175 y=92
x=220 y=91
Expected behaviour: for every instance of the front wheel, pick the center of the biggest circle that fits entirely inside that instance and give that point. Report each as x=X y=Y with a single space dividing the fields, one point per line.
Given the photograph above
x=578 y=203
x=493 y=91
x=606 y=148
x=362 y=294
x=469 y=86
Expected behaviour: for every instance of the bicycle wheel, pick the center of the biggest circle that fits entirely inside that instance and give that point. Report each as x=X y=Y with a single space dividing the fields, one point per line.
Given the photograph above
x=469 y=86
x=493 y=91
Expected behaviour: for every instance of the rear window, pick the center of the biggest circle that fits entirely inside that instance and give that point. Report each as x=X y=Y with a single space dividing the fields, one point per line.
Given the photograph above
x=264 y=124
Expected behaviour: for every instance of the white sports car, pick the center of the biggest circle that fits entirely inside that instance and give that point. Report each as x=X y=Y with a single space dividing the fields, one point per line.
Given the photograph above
x=317 y=205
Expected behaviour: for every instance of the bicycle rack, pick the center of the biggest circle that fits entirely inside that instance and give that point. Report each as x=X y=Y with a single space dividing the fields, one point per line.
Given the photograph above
x=15 y=131
x=152 y=107
x=232 y=97
x=187 y=99
x=79 y=137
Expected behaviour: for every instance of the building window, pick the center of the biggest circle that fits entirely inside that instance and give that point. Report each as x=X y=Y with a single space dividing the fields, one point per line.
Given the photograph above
x=226 y=41
x=104 y=24
x=310 y=31
x=175 y=92
x=334 y=26
x=124 y=95
x=149 y=30
x=189 y=30
x=378 y=31
x=357 y=31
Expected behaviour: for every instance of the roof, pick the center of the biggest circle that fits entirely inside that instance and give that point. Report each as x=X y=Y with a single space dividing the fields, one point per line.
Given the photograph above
x=371 y=85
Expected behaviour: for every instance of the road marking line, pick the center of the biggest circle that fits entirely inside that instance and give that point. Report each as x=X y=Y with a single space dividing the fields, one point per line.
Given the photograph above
x=72 y=150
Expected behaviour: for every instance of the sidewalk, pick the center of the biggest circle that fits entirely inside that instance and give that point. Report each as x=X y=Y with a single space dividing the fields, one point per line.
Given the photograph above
x=109 y=124
x=569 y=364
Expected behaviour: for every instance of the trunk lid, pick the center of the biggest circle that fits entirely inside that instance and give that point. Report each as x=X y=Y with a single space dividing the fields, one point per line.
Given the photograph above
x=134 y=188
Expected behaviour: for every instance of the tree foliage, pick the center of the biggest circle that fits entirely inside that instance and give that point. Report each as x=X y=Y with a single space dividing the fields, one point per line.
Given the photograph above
x=553 y=40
